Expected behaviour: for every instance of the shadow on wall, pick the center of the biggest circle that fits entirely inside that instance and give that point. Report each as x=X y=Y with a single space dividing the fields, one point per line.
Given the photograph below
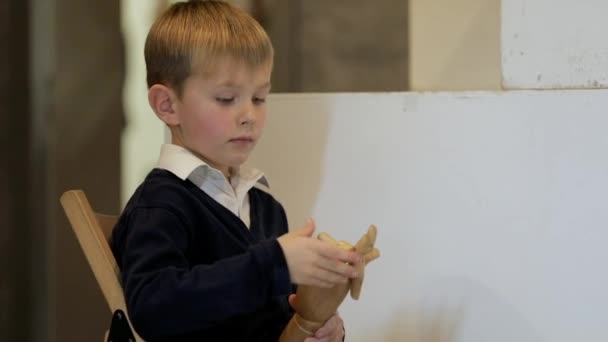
x=456 y=309
x=292 y=151
x=439 y=325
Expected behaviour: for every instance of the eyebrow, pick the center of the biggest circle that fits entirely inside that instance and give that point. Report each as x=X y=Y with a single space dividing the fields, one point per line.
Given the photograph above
x=230 y=84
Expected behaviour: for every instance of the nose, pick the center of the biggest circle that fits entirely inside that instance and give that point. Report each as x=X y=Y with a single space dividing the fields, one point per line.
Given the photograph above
x=247 y=116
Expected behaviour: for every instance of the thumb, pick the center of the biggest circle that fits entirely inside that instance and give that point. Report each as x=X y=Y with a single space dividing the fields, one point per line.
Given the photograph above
x=292 y=300
x=308 y=228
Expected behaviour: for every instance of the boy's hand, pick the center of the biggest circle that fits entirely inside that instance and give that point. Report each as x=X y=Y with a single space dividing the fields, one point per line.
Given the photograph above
x=315 y=262
x=331 y=331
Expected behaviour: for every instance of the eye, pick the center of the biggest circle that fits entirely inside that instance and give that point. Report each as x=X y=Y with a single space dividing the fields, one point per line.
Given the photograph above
x=259 y=100
x=225 y=100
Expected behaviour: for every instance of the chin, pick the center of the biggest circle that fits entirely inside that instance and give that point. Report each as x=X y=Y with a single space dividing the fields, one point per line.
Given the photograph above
x=237 y=162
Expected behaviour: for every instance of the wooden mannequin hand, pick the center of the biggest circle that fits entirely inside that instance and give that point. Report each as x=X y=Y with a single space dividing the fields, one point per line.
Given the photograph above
x=330 y=331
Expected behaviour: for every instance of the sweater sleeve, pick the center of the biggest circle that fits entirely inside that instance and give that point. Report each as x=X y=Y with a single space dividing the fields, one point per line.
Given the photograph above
x=162 y=288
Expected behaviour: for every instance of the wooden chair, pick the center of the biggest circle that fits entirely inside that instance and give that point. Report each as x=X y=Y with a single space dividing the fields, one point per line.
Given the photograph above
x=93 y=231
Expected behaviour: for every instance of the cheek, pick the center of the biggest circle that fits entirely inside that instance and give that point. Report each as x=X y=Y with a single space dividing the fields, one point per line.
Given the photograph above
x=212 y=129
x=201 y=120
x=261 y=119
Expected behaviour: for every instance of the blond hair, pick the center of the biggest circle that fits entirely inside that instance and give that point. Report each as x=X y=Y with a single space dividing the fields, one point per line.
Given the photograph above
x=194 y=36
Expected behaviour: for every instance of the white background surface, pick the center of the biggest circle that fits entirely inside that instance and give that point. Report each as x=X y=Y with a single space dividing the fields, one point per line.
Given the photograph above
x=491 y=208
x=554 y=44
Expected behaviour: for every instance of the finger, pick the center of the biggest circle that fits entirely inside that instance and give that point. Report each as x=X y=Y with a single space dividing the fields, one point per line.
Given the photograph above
x=326 y=279
x=312 y=339
x=355 y=288
x=373 y=255
x=339 y=268
x=364 y=244
x=316 y=339
x=346 y=246
x=372 y=232
x=328 y=328
x=336 y=253
x=308 y=229
x=338 y=334
x=292 y=300
x=336 y=272
x=327 y=238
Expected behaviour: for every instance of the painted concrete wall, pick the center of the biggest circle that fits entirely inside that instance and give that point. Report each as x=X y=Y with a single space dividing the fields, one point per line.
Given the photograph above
x=553 y=44
x=490 y=207
x=143 y=131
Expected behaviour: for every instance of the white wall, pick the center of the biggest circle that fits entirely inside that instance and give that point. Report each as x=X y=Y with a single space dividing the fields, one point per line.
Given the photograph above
x=491 y=207
x=144 y=132
x=552 y=44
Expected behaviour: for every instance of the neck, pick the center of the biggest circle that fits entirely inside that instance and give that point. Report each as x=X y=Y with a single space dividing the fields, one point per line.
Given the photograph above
x=227 y=171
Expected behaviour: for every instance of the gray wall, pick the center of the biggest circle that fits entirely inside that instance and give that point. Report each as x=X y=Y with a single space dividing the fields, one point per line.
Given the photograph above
x=329 y=46
x=84 y=150
x=61 y=119
x=14 y=197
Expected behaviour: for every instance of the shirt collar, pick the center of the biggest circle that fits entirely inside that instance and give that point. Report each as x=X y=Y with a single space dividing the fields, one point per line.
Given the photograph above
x=183 y=163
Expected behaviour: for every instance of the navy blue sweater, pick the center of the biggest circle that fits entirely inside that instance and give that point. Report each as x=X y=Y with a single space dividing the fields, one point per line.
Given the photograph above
x=191 y=269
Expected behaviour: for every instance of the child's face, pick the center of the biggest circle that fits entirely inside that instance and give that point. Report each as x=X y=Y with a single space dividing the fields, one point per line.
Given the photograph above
x=222 y=116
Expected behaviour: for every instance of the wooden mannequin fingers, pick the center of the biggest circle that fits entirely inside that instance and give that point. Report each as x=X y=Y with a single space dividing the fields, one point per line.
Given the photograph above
x=372 y=232
x=371 y=256
x=356 y=283
x=341 y=244
x=363 y=244
x=345 y=245
x=366 y=243
x=327 y=238
x=355 y=287
x=369 y=237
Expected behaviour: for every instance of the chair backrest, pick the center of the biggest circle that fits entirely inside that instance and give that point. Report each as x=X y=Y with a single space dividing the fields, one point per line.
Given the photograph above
x=93 y=232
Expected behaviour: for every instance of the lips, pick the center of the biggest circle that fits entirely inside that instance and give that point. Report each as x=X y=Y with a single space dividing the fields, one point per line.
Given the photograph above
x=242 y=140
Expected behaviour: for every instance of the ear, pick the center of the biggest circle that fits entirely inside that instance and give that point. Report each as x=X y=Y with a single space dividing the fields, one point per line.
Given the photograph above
x=163 y=101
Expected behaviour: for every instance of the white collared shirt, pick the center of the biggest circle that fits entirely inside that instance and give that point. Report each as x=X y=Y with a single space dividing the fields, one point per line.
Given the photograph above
x=231 y=194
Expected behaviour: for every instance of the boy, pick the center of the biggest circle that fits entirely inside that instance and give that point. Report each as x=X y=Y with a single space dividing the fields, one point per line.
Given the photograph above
x=204 y=253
